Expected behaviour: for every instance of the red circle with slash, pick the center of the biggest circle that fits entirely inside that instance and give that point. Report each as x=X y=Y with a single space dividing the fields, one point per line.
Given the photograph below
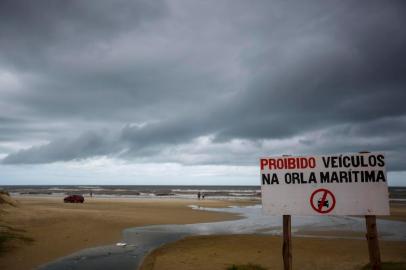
x=324 y=201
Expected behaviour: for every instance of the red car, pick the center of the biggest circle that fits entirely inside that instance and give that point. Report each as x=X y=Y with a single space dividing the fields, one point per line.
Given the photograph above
x=74 y=199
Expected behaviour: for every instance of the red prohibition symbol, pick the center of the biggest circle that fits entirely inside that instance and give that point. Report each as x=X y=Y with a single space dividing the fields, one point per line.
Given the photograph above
x=325 y=201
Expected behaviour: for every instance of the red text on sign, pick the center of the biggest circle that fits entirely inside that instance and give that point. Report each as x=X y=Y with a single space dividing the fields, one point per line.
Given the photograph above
x=288 y=163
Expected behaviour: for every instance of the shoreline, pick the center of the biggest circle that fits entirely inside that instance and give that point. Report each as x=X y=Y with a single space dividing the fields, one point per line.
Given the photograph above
x=141 y=191
x=103 y=221
x=144 y=240
x=59 y=229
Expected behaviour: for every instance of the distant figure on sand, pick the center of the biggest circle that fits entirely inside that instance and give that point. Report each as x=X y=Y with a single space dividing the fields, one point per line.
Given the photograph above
x=203 y=196
x=198 y=195
x=91 y=193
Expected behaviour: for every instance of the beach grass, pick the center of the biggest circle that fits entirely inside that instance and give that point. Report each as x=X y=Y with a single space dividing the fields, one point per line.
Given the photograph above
x=246 y=267
x=389 y=266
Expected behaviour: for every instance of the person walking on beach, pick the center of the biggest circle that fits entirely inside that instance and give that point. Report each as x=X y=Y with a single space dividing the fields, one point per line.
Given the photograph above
x=203 y=196
x=198 y=195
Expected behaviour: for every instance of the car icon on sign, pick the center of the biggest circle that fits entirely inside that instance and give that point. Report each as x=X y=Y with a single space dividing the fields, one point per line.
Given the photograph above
x=326 y=204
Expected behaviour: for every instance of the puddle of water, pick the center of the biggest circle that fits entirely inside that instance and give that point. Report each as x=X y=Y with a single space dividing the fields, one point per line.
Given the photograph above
x=141 y=240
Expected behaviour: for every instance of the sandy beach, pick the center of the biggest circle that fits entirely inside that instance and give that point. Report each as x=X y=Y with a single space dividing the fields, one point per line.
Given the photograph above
x=308 y=253
x=324 y=249
x=58 y=229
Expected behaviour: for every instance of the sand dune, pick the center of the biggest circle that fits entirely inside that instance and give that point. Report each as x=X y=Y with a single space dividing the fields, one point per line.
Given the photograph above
x=6 y=199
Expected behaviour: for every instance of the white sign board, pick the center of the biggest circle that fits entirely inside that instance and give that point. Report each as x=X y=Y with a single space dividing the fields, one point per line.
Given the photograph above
x=352 y=184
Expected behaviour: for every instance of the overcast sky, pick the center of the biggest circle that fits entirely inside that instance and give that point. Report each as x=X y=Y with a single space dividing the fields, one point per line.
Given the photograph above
x=194 y=92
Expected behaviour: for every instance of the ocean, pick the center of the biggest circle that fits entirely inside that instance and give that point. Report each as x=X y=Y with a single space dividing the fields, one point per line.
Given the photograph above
x=135 y=191
x=158 y=191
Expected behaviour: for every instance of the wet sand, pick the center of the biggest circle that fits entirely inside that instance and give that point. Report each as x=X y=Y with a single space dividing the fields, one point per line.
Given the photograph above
x=220 y=252
x=397 y=211
x=59 y=229
x=313 y=248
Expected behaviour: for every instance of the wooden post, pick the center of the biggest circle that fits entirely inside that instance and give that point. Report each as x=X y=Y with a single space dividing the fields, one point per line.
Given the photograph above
x=287 y=243
x=373 y=243
x=372 y=239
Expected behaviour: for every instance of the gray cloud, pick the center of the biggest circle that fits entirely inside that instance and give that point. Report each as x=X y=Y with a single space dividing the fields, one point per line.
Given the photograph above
x=40 y=33
x=87 y=145
x=320 y=76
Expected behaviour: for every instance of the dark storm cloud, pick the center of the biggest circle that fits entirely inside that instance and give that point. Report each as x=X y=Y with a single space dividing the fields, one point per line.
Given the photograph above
x=33 y=33
x=160 y=75
x=348 y=69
